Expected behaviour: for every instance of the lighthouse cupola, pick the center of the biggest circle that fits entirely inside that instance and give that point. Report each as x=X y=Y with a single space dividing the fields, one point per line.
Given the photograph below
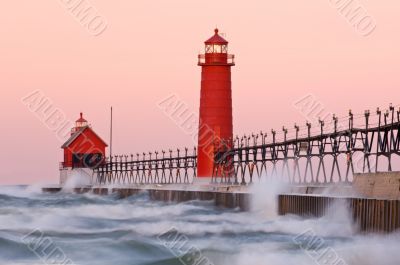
x=79 y=124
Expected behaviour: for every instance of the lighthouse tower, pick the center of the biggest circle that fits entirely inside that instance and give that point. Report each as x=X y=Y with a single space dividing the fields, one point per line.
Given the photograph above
x=215 y=124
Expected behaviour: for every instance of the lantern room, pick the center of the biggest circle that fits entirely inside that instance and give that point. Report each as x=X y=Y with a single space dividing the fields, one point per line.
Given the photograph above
x=216 y=51
x=216 y=44
x=84 y=148
x=79 y=123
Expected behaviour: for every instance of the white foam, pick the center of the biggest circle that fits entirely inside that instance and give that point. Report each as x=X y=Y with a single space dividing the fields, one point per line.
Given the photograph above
x=76 y=180
x=22 y=191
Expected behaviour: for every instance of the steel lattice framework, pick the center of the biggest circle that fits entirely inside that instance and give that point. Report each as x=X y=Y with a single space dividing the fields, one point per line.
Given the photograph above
x=305 y=159
x=330 y=155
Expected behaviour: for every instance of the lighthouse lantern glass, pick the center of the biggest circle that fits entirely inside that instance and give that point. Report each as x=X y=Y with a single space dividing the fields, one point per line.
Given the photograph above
x=224 y=48
x=81 y=124
x=216 y=48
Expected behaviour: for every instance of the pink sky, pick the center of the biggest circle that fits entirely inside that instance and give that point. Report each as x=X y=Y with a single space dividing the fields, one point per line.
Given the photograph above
x=284 y=50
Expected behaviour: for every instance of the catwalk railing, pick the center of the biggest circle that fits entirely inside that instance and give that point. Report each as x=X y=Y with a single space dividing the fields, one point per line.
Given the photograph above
x=330 y=154
x=327 y=156
x=171 y=167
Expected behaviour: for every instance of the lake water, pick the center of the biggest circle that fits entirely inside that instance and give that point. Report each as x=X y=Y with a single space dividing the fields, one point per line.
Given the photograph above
x=67 y=228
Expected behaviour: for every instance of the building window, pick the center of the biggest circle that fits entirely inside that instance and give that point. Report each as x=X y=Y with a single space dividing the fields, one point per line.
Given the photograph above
x=81 y=160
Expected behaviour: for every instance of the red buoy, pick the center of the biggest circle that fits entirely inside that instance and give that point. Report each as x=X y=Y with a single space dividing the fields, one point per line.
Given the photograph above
x=215 y=124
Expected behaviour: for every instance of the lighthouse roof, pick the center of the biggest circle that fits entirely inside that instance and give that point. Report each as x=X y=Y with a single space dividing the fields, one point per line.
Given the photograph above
x=216 y=39
x=78 y=133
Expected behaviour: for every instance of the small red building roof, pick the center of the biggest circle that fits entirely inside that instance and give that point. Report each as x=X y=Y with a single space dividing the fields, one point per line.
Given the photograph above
x=77 y=134
x=216 y=39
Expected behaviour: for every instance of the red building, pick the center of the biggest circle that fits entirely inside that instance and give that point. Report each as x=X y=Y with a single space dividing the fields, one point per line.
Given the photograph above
x=215 y=124
x=84 y=149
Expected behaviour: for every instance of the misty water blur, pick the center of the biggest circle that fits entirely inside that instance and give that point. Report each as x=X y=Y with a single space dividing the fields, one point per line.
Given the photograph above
x=93 y=229
x=76 y=179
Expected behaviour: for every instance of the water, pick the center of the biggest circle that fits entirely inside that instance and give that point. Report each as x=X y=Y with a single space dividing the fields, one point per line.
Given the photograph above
x=65 y=228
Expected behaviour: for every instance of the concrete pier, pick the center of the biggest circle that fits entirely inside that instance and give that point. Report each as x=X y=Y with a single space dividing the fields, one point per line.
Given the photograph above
x=370 y=215
x=226 y=199
x=373 y=200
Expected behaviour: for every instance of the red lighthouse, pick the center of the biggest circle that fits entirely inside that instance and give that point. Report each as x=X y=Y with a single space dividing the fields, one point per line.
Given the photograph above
x=215 y=124
x=84 y=148
x=83 y=151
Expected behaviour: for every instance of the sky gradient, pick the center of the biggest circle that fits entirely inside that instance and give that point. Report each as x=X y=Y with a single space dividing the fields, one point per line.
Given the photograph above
x=285 y=50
